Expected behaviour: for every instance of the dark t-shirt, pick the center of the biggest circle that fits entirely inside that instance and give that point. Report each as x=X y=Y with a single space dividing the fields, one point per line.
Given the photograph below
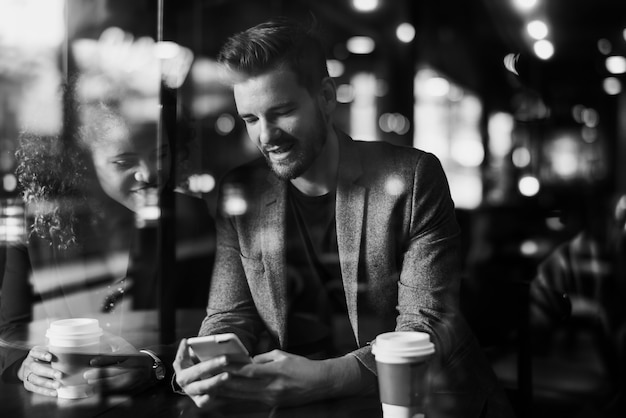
x=315 y=290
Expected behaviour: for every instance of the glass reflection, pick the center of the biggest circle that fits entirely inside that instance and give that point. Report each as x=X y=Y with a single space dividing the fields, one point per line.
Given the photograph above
x=93 y=192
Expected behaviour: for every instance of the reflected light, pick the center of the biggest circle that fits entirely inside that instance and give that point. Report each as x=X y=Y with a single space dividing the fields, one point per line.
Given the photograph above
x=405 y=32
x=225 y=124
x=500 y=128
x=612 y=86
x=361 y=45
x=9 y=182
x=365 y=5
x=616 y=64
x=564 y=156
x=537 y=29
x=363 y=111
x=590 y=117
x=335 y=68
x=235 y=205
x=543 y=49
x=166 y=50
x=528 y=185
x=529 y=247
x=468 y=150
x=394 y=186
x=201 y=183
x=524 y=5
x=234 y=202
x=394 y=122
x=604 y=46
x=520 y=157
x=345 y=93
x=588 y=134
x=437 y=87
x=205 y=72
x=466 y=190
x=148 y=211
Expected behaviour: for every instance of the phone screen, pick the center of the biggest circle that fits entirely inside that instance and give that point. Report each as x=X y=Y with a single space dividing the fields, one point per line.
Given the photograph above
x=212 y=346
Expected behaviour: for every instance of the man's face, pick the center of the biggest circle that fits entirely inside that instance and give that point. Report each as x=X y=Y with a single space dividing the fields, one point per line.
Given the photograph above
x=128 y=164
x=283 y=120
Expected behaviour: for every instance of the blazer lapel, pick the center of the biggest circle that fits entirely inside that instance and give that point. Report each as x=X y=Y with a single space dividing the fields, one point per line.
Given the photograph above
x=272 y=230
x=349 y=216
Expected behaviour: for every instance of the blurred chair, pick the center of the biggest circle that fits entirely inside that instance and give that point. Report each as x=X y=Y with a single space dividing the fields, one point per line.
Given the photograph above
x=496 y=307
x=575 y=370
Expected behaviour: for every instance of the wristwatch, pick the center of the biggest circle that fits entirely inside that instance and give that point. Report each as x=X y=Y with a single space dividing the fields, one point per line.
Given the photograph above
x=158 y=368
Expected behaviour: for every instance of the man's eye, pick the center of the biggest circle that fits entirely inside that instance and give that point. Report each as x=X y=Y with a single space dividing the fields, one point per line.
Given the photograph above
x=249 y=121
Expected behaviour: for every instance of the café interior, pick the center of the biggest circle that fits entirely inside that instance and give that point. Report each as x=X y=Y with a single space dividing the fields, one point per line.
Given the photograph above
x=522 y=101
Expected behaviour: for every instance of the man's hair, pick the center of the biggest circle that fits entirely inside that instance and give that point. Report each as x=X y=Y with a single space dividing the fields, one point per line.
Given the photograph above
x=279 y=42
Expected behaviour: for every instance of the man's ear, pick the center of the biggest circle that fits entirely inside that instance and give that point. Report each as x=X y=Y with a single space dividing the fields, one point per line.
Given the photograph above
x=328 y=96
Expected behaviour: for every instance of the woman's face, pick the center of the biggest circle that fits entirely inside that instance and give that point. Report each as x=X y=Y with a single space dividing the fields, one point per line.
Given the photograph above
x=128 y=162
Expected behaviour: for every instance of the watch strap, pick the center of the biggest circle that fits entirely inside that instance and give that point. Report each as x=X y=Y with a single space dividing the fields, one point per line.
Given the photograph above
x=158 y=367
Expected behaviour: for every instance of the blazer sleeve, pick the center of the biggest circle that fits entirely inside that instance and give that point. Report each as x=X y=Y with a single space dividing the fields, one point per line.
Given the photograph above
x=16 y=301
x=429 y=276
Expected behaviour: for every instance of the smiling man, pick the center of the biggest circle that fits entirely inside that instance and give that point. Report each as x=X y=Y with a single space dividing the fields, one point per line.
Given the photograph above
x=336 y=231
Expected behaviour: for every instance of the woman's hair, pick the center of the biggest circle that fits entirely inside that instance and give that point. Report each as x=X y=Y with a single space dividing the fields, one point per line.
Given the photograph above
x=55 y=174
x=52 y=175
x=278 y=42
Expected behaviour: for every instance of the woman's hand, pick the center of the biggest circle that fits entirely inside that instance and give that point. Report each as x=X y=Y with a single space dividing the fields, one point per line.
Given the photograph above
x=125 y=369
x=37 y=374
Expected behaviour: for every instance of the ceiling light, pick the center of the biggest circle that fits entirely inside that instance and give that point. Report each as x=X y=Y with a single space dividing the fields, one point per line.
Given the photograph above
x=335 y=68
x=405 y=32
x=612 y=86
x=365 y=5
x=616 y=64
x=360 y=45
x=529 y=185
x=524 y=5
x=543 y=49
x=537 y=29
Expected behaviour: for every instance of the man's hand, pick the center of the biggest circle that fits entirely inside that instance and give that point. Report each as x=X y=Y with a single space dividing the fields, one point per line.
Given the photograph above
x=201 y=381
x=279 y=378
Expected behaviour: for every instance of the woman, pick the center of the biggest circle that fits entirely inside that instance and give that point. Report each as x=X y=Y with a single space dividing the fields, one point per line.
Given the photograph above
x=87 y=189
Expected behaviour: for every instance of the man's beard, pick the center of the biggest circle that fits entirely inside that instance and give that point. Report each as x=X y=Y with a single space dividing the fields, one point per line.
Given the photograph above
x=304 y=153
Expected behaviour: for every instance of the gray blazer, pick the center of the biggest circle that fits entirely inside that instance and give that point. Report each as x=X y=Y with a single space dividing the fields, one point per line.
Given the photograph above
x=398 y=245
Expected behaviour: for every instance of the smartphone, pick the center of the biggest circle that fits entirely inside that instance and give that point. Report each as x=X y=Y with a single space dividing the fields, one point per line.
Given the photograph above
x=227 y=344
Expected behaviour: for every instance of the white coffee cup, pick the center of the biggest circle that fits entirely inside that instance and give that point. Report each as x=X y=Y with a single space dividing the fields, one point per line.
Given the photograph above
x=73 y=343
x=401 y=361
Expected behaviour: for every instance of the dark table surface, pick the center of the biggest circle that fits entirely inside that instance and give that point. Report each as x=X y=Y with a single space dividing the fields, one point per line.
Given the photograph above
x=16 y=402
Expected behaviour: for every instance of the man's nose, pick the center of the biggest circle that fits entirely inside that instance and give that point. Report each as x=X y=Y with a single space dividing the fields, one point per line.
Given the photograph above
x=268 y=131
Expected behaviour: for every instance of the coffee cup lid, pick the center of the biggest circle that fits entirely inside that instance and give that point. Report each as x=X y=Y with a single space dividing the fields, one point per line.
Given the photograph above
x=74 y=327
x=403 y=344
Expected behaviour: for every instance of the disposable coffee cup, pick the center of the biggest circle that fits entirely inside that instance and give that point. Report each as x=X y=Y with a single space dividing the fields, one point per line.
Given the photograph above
x=73 y=343
x=401 y=362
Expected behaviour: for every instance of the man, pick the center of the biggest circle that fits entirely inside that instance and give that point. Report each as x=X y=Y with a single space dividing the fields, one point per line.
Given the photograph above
x=322 y=209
